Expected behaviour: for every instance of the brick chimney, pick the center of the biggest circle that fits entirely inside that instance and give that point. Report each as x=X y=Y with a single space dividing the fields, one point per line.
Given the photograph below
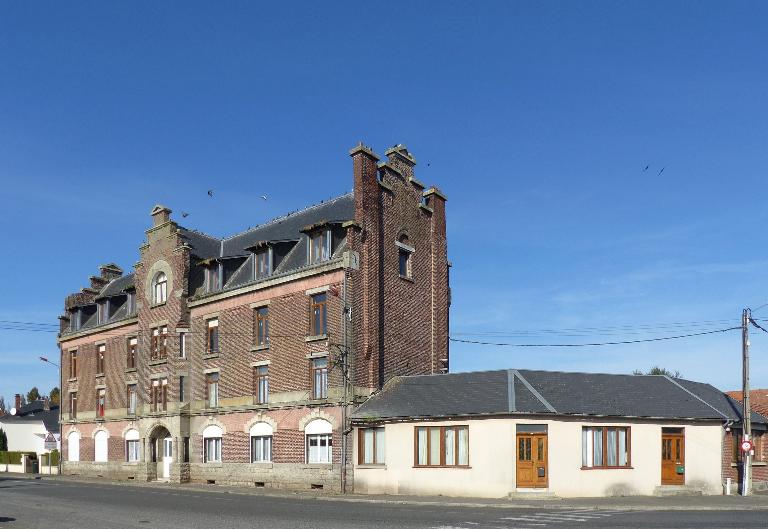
x=160 y=215
x=17 y=404
x=110 y=271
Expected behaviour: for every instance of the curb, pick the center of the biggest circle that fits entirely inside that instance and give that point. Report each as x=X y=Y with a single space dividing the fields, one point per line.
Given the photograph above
x=549 y=503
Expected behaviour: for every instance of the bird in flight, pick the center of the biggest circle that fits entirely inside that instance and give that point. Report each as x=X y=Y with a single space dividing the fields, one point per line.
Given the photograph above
x=646 y=168
x=662 y=170
x=263 y=197
x=210 y=192
x=184 y=214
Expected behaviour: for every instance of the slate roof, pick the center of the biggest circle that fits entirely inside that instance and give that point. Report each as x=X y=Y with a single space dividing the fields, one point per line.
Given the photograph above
x=117 y=286
x=289 y=227
x=530 y=392
x=34 y=412
x=203 y=245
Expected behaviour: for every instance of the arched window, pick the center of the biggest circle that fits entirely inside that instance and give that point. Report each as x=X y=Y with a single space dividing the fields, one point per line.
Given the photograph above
x=212 y=444
x=132 y=446
x=100 y=446
x=261 y=442
x=73 y=447
x=160 y=288
x=319 y=441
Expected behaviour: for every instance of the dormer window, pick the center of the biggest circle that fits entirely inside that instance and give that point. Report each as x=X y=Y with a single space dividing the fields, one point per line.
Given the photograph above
x=130 y=302
x=102 y=311
x=74 y=320
x=213 y=277
x=160 y=289
x=263 y=263
x=319 y=246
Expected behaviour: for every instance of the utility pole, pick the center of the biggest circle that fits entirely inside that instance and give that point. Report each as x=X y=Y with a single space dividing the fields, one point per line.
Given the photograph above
x=746 y=486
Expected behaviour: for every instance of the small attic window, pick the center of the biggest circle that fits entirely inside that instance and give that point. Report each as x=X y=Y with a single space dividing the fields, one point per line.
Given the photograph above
x=213 y=274
x=319 y=246
x=263 y=262
x=405 y=257
x=74 y=320
x=102 y=311
x=160 y=288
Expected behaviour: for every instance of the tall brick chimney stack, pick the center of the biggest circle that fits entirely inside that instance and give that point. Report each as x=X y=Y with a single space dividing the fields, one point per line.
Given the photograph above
x=160 y=215
x=366 y=181
x=17 y=403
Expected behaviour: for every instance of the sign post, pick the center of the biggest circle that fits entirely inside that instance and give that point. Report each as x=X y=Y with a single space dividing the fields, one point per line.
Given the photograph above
x=50 y=445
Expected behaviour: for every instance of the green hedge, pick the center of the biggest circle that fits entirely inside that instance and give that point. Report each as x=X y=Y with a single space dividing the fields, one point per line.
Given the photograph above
x=55 y=456
x=13 y=458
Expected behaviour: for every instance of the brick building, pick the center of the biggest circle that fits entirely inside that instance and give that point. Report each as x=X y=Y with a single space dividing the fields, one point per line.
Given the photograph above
x=236 y=360
x=733 y=457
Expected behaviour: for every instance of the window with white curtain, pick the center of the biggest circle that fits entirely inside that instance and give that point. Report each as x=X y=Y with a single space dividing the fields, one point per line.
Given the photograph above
x=605 y=447
x=319 y=441
x=371 y=446
x=212 y=444
x=442 y=446
x=261 y=442
x=132 y=446
x=160 y=289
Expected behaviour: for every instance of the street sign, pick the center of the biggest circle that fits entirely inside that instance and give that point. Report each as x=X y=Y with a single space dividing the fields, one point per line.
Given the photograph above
x=50 y=442
x=746 y=446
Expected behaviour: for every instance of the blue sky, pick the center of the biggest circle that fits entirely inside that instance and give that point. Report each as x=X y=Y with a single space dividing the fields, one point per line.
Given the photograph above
x=536 y=119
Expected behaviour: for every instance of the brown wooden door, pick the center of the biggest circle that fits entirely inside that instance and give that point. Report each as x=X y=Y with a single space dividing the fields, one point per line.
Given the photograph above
x=672 y=459
x=532 y=470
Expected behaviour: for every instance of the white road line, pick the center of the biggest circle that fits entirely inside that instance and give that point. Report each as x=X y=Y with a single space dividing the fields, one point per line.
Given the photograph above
x=533 y=521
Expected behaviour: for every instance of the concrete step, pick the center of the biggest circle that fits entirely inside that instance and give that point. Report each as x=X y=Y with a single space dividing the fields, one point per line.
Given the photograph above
x=678 y=490
x=532 y=494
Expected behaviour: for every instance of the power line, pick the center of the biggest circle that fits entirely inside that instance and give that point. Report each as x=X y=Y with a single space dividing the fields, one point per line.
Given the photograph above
x=626 y=342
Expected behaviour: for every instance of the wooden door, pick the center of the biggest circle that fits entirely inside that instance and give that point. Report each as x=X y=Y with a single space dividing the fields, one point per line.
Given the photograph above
x=672 y=459
x=532 y=471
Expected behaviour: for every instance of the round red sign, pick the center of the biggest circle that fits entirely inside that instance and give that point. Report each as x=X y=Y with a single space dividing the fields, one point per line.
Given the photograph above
x=746 y=446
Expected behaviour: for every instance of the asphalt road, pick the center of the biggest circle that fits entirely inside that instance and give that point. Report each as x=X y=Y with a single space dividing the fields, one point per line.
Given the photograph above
x=66 y=504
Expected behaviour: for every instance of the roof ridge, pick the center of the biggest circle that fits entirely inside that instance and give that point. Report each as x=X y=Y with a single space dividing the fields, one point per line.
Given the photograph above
x=282 y=217
x=694 y=395
x=198 y=232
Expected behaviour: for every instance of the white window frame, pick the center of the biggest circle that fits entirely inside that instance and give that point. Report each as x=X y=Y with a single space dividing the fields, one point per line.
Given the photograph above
x=101 y=446
x=160 y=288
x=132 y=446
x=261 y=433
x=318 y=430
x=73 y=447
x=212 y=437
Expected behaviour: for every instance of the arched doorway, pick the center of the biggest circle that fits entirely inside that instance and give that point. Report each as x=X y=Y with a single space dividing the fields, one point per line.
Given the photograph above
x=161 y=447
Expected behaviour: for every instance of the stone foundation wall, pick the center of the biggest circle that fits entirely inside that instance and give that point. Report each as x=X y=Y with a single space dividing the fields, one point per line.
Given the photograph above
x=113 y=470
x=293 y=476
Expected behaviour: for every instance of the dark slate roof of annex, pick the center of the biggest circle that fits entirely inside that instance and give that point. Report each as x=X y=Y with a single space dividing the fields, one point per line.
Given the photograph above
x=34 y=412
x=548 y=392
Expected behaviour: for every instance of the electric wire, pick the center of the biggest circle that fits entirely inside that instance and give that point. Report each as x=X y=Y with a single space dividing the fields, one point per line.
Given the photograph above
x=596 y=344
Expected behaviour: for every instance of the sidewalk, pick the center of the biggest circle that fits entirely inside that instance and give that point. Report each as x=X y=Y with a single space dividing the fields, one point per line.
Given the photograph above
x=757 y=501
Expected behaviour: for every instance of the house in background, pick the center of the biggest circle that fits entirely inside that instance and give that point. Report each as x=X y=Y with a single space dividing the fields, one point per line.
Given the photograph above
x=29 y=425
x=521 y=432
x=733 y=458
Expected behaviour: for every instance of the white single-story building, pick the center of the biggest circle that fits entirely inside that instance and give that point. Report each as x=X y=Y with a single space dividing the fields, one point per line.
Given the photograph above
x=28 y=426
x=519 y=432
